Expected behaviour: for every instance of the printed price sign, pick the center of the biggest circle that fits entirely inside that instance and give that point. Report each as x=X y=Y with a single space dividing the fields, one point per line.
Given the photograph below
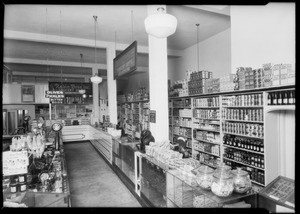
x=14 y=163
x=152 y=114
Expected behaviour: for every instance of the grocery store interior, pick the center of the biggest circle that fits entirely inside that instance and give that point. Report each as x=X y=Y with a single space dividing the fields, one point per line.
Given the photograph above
x=149 y=106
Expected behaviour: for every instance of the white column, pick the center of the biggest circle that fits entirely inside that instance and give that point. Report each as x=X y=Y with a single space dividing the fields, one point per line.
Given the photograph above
x=158 y=83
x=95 y=98
x=111 y=85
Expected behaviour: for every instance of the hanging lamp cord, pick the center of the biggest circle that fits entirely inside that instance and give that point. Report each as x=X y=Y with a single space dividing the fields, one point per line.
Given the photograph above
x=132 y=26
x=60 y=55
x=197 y=45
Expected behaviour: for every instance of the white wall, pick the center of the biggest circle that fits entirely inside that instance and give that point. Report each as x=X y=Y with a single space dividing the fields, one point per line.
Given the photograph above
x=262 y=34
x=214 y=55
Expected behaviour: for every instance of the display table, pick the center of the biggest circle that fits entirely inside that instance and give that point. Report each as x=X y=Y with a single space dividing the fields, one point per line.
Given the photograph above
x=39 y=197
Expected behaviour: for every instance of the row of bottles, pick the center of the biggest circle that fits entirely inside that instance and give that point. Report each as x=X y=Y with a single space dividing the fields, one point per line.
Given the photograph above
x=282 y=98
x=243 y=114
x=248 y=158
x=249 y=144
x=243 y=100
x=255 y=174
x=247 y=129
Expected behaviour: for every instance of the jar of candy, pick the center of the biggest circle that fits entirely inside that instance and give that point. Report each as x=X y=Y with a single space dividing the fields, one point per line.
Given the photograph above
x=241 y=180
x=222 y=184
x=204 y=176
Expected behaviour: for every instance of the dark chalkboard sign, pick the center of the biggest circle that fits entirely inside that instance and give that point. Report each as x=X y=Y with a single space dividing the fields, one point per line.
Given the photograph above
x=126 y=61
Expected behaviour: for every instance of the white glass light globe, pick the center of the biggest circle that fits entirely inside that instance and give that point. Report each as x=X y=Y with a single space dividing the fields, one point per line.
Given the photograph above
x=160 y=25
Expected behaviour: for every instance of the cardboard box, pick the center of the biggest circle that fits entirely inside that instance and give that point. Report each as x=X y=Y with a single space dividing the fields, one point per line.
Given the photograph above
x=291 y=78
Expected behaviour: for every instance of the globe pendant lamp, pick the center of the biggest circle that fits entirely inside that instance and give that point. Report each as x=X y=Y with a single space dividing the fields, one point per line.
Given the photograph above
x=161 y=24
x=96 y=79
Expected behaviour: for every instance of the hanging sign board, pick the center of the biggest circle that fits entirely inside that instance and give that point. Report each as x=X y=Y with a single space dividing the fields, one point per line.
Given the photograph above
x=14 y=163
x=126 y=61
x=54 y=94
x=152 y=115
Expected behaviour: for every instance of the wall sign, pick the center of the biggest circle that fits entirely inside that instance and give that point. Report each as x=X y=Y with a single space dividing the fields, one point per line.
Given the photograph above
x=126 y=61
x=15 y=163
x=27 y=93
x=152 y=115
x=54 y=94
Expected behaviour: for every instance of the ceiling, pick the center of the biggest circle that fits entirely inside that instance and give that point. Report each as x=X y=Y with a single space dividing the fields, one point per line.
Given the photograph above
x=76 y=21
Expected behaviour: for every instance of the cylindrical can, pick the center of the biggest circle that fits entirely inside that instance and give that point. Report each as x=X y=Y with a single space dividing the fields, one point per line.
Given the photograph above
x=23 y=187
x=13 y=187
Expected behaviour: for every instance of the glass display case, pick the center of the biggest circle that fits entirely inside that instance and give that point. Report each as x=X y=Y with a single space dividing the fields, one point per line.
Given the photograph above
x=278 y=196
x=153 y=181
x=183 y=193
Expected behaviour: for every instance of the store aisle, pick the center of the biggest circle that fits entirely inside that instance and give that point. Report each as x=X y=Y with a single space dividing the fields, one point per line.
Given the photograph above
x=92 y=182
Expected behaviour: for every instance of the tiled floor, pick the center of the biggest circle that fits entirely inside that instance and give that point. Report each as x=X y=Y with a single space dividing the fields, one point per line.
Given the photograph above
x=92 y=182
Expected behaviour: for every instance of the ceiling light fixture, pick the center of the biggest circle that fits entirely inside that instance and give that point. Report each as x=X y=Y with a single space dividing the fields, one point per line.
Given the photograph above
x=161 y=24
x=81 y=91
x=96 y=79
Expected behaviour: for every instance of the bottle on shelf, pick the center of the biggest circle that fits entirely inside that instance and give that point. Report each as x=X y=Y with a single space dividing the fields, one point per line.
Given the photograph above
x=274 y=100
x=279 y=98
x=285 y=98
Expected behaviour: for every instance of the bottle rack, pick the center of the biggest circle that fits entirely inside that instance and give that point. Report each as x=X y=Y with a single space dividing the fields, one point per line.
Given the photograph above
x=238 y=115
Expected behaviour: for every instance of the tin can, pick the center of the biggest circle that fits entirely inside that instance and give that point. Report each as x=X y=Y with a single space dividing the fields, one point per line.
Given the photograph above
x=13 y=187
x=23 y=187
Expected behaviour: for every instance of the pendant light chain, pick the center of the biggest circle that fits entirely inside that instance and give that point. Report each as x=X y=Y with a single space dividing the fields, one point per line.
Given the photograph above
x=60 y=51
x=116 y=42
x=197 y=45
x=131 y=25
x=95 y=17
x=47 y=53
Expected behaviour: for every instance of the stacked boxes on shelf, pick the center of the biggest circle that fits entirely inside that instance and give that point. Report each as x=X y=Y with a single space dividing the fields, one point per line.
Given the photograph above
x=226 y=82
x=240 y=73
x=267 y=75
x=258 y=76
x=212 y=85
x=249 y=78
x=197 y=83
x=282 y=74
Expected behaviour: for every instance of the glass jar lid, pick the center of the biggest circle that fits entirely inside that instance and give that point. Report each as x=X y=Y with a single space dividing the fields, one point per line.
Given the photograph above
x=239 y=172
x=205 y=169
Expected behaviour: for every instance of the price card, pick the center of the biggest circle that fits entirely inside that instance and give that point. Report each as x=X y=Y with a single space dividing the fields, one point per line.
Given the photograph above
x=14 y=163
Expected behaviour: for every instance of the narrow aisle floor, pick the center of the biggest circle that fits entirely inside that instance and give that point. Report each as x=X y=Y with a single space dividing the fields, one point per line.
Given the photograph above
x=92 y=182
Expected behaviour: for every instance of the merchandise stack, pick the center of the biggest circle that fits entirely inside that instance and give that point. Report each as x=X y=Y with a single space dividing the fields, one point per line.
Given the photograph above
x=226 y=82
x=197 y=83
x=212 y=85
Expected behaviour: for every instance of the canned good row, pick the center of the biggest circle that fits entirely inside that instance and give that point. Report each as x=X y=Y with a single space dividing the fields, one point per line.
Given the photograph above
x=206 y=102
x=243 y=100
x=252 y=130
x=243 y=114
x=206 y=114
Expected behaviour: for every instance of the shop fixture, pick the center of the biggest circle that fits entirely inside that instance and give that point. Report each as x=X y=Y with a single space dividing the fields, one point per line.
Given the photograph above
x=161 y=24
x=96 y=79
x=81 y=91
x=197 y=46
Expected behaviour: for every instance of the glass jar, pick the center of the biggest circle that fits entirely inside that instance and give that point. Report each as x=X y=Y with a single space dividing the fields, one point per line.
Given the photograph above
x=241 y=180
x=204 y=177
x=222 y=184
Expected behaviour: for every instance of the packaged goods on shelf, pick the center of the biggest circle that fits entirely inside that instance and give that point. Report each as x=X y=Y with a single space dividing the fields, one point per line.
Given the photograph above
x=226 y=82
x=185 y=113
x=206 y=102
